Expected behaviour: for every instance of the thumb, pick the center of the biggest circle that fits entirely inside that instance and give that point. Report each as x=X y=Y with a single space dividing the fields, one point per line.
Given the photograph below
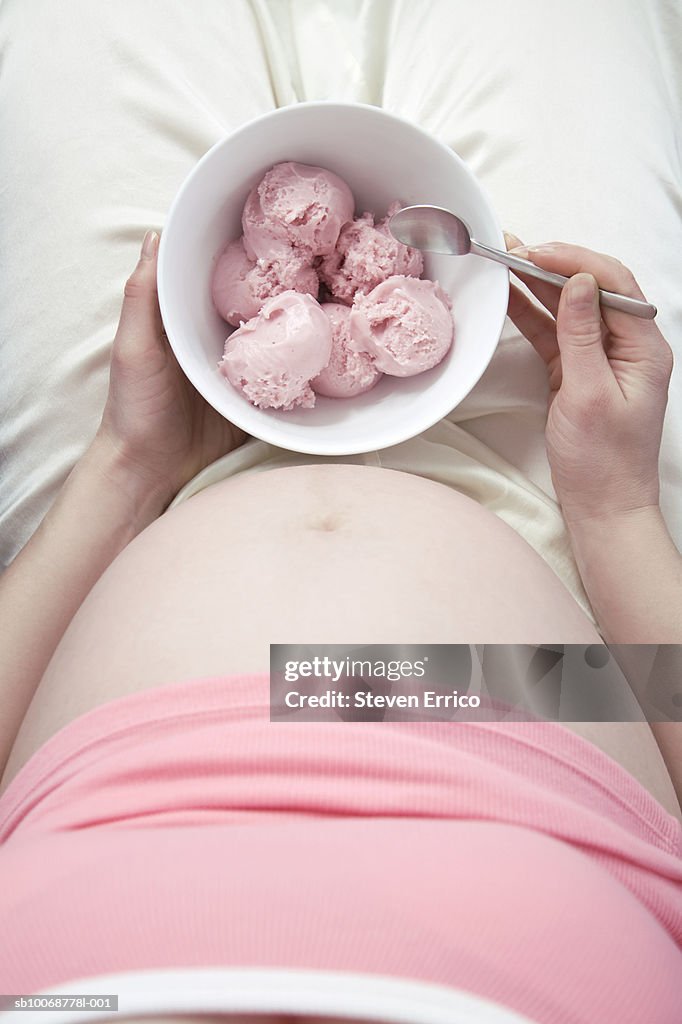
x=579 y=335
x=140 y=322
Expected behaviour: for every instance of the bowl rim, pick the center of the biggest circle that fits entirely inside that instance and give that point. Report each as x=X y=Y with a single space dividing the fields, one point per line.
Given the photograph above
x=270 y=434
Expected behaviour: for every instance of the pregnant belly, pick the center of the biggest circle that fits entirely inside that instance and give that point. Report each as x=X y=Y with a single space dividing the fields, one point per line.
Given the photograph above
x=313 y=554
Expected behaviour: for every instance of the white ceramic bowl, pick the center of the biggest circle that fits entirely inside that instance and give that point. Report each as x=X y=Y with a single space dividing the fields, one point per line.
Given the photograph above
x=382 y=158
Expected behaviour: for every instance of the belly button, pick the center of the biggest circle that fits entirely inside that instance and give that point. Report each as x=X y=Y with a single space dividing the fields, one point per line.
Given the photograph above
x=325 y=524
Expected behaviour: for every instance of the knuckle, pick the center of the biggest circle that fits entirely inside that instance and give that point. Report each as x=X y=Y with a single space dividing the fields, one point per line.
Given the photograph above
x=628 y=278
x=629 y=285
x=667 y=359
x=124 y=351
x=138 y=283
x=622 y=274
x=120 y=357
x=587 y=332
x=134 y=286
x=657 y=368
x=616 y=275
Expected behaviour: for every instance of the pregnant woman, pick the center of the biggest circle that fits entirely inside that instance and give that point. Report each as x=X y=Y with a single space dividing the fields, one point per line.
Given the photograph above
x=203 y=834
x=160 y=838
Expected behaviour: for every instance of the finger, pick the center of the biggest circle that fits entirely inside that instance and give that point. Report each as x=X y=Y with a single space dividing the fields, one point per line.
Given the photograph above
x=636 y=334
x=140 y=326
x=533 y=323
x=567 y=259
x=584 y=362
x=511 y=241
x=548 y=294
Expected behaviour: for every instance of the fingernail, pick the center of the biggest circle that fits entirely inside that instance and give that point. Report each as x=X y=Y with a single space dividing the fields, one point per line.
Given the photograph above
x=520 y=250
x=582 y=292
x=149 y=245
x=509 y=240
x=549 y=247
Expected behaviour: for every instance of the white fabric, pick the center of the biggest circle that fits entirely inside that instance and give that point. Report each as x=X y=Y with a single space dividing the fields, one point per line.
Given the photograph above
x=569 y=115
x=335 y=994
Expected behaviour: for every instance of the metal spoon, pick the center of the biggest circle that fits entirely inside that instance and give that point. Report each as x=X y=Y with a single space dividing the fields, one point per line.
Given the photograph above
x=438 y=230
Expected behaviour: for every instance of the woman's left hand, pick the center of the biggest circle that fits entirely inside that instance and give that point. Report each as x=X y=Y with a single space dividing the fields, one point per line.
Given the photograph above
x=160 y=427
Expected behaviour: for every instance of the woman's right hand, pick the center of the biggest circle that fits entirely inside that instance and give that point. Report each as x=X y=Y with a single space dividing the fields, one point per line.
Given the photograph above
x=608 y=373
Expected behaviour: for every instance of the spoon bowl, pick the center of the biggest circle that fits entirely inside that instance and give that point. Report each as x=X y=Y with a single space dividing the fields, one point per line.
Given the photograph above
x=431 y=228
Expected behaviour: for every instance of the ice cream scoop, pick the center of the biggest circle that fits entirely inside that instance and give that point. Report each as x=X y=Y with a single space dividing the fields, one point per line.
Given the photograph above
x=241 y=285
x=365 y=255
x=272 y=358
x=347 y=373
x=296 y=205
x=404 y=324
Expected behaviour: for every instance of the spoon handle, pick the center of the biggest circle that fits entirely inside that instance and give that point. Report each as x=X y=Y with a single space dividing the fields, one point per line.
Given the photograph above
x=612 y=300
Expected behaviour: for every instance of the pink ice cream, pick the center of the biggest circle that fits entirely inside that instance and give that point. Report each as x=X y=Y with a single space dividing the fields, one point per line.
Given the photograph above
x=348 y=373
x=404 y=324
x=272 y=358
x=365 y=255
x=240 y=285
x=299 y=206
